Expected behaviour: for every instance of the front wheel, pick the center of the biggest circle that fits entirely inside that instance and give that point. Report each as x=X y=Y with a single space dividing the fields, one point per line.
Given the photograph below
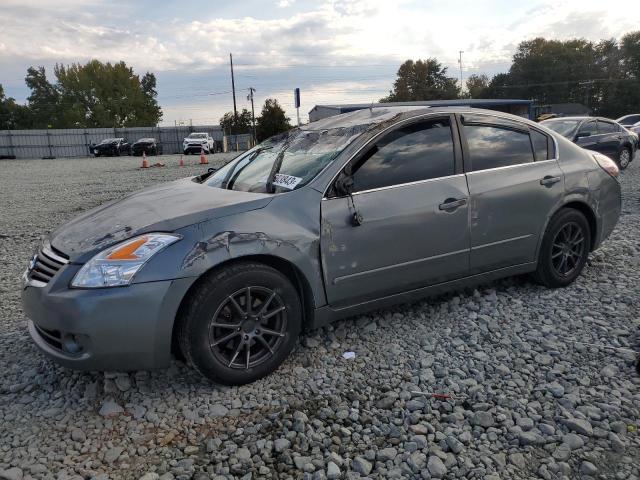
x=624 y=158
x=240 y=323
x=564 y=250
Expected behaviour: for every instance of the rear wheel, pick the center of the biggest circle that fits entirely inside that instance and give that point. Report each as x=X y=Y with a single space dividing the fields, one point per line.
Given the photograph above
x=240 y=323
x=564 y=249
x=624 y=158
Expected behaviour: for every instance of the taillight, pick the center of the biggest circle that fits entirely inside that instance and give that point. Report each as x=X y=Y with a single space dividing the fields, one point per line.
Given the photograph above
x=607 y=164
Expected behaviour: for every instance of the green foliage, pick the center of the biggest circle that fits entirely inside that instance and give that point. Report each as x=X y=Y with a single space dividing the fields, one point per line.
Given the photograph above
x=106 y=95
x=92 y=95
x=272 y=120
x=243 y=125
x=477 y=86
x=604 y=76
x=422 y=80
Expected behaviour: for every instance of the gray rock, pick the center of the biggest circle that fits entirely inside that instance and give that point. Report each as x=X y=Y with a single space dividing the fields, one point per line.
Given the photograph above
x=123 y=382
x=113 y=454
x=436 y=467
x=78 y=435
x=517 y=459
x=362 y=466
x=281 y=444
x=150 y=476
x=454 y=444
x=110 y=409
x=482 y=419
x=333 y=471
x=218 y=410
x=588 y=468
x=13 y=473
x=573 y=441
x=562 y=452
x=579 y=425
x=530 y=438
x=386 y=454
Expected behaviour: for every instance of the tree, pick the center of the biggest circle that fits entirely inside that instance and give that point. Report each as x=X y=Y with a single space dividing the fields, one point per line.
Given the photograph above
x=272 y=120
x=44 y=101
x=477 y=86
x=422 y=80
x=106 y=95
x=12 y=115
x=243 y=125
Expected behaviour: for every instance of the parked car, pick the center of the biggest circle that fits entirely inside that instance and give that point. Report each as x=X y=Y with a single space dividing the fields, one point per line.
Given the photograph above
x=150 y=146
x=598 y=134
x=350 y=213
x=629 y=120
x=197 y=142
x=111 y=147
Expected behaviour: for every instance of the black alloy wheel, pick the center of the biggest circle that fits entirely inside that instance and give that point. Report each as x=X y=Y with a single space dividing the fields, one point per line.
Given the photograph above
x=239 y=323
x=567 y=249
x=248 y=327
x=564 y=249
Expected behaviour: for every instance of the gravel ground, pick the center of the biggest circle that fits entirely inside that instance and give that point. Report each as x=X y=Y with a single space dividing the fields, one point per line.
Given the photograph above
x=529 y=401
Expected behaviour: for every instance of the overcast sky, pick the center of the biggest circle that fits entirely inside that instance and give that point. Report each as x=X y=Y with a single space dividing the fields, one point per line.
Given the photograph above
x=336 y=51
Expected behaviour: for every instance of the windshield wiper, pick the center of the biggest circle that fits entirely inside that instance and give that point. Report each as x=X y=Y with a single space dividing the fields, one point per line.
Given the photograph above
x=275 y=168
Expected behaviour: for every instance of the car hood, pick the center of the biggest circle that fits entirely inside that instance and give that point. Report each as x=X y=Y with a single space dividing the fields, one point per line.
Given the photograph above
x=163 y=208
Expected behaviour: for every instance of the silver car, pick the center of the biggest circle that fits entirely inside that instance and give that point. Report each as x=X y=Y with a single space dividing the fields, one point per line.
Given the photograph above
x=347 y=214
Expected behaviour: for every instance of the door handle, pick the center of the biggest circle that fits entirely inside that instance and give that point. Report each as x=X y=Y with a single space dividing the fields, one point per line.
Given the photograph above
x=452 y=203
x=549 y=180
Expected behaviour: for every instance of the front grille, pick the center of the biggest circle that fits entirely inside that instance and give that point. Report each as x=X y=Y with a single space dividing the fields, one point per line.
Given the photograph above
x=52 y=337
x=46 y=264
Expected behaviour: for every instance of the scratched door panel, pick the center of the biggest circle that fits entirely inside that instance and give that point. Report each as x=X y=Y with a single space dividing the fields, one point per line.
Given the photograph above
x=405 y=240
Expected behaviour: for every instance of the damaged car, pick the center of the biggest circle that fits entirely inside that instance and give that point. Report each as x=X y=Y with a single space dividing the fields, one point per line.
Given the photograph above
x=351 y=213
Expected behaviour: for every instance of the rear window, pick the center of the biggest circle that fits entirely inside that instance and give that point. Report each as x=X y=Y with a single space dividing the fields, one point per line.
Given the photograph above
x=496 y=146
x=541 y=146
x=606 y=127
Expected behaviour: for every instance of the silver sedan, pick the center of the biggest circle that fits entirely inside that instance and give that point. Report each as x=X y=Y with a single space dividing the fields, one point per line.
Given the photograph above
x=351 y=213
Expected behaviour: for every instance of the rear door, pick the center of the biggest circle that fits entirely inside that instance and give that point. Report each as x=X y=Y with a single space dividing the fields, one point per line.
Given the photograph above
x=609 y=138
x=514 y=182
x=587 y=136
x=411 y=194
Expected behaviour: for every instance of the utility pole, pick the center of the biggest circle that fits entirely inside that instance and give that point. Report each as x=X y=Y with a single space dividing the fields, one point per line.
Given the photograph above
x=233 y=89
x=253 y=115
x=460 y=63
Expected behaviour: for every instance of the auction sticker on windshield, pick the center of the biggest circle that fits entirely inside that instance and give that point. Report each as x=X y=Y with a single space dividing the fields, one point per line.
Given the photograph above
x=286 y=181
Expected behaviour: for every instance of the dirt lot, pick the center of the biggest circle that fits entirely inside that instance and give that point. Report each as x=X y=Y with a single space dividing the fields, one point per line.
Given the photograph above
x=533 y=397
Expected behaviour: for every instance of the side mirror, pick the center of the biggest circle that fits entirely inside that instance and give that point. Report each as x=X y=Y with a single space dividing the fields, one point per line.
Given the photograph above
x=344 y=185
x=582 y=135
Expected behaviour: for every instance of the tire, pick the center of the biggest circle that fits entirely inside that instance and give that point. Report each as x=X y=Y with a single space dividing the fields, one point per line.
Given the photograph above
x=624 y=158
x=213 y=334
x=562 y=241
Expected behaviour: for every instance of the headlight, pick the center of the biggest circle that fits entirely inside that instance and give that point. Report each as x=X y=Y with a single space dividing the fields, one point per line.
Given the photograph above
x=116 y=266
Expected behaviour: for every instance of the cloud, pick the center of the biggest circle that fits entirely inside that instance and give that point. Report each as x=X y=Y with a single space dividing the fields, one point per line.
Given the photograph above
x=337 y=50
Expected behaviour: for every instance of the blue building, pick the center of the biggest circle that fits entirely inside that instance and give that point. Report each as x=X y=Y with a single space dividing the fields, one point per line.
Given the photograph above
x=522 y=108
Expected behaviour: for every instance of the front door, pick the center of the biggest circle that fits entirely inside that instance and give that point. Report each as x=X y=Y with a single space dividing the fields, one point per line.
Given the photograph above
x=514 y=182
x=411 y=198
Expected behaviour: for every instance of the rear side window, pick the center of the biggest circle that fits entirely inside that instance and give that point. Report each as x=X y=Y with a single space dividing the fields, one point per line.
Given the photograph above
x=606 y=127
x=495 y=146
x=419 y=151
x=588 y=127
x=541 y=145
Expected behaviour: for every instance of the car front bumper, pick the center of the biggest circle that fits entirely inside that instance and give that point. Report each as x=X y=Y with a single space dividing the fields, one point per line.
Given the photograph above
x=118 y=329
x=195 y=148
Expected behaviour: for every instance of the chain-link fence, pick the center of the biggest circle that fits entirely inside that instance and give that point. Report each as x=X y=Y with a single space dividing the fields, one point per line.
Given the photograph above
x=57 y=143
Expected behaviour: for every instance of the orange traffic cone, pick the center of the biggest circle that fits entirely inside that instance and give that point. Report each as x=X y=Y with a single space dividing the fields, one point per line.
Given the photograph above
x=203 y=158
x=181 y=161
x=145 y=162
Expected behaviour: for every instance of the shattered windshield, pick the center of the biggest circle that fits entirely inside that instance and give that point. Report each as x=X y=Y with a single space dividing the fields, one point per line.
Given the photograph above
x=285 y=162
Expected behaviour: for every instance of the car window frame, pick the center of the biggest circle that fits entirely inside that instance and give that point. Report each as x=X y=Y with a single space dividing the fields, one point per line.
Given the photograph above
x=594 y=121
x=329 y=192
x=616 y=129
x=551 y=145
x=489 y=120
